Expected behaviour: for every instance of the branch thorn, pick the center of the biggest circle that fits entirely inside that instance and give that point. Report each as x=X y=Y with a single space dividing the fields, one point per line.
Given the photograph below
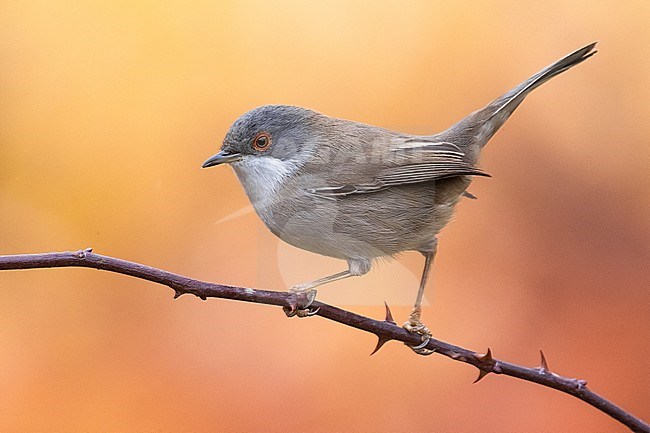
x=487 y=358
x=178 y=293
x=543 y=365
x=481 y=375
x=488 y=365
x=389 y=319
x=380 y=343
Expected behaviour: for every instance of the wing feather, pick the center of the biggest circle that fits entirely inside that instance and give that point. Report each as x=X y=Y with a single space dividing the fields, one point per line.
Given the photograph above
x=410 y=160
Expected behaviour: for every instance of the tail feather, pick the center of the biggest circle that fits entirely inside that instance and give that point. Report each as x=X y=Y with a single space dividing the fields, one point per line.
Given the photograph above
x=475 y=130
x=511 y=100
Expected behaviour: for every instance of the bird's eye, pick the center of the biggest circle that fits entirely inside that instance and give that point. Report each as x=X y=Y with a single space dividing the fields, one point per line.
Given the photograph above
x=262 y=141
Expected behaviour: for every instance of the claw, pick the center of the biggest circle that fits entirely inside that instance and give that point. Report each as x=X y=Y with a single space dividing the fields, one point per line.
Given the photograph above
x=417 y=327
x=421 y=345
x=299 y=304
x=306 y=312
x=290 y=312
x=311 y=296
x=421 y=349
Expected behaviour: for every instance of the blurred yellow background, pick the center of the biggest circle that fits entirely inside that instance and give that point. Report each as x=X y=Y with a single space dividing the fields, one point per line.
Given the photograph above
x=108 y=110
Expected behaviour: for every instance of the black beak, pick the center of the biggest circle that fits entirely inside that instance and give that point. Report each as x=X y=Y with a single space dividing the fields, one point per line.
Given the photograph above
x=223 y=157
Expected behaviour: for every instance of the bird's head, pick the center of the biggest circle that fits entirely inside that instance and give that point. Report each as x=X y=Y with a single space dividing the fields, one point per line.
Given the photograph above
x=279 y=132
x=267 y=145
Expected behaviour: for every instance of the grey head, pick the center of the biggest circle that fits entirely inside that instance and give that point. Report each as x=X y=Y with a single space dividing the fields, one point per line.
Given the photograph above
x=280 y=132
x=267 y=145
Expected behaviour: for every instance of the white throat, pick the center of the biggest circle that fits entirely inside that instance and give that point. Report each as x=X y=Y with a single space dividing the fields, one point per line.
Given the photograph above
x=261 y=177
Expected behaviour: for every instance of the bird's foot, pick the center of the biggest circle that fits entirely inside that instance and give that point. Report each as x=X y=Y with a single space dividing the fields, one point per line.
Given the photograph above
x=300 y=302
x=415 y=326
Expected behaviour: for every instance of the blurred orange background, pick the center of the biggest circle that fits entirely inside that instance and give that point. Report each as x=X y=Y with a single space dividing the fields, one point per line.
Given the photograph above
x=108 y=110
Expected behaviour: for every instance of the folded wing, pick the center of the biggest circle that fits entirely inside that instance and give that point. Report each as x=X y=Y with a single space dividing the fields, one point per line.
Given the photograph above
x=409 y=161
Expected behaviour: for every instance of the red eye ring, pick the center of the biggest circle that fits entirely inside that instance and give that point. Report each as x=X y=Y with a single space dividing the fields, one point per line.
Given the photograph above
x=262 y=141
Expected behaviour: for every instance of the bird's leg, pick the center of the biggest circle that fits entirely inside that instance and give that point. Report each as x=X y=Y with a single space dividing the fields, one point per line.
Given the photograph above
x=306 y=287
x=414 y=323
x=306 y=294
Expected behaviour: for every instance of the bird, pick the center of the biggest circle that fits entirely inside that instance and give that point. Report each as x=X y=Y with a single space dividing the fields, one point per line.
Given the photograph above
x=359 y=192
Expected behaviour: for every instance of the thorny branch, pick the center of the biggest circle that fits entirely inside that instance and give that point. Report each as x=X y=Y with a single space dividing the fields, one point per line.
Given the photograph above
x=385 y=330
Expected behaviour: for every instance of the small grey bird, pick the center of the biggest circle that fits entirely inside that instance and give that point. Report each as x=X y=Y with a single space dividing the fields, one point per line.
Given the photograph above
x=358 y=192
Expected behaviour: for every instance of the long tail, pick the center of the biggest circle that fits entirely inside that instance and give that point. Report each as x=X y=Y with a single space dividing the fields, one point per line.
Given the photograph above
x=476 y=129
